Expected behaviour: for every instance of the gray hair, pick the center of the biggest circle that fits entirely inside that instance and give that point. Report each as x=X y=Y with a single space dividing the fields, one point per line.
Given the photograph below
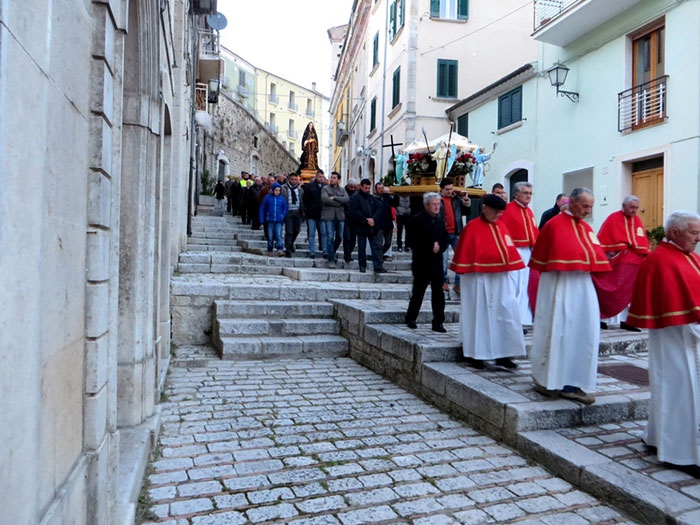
x=517 y=188
x=630 y=198
x=353 y=182
x=680 y=219
x=577 y=193
x=429 y=197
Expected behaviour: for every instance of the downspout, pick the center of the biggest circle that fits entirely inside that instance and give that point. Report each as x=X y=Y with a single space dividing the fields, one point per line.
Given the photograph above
x=381 y=135
x=193 y=171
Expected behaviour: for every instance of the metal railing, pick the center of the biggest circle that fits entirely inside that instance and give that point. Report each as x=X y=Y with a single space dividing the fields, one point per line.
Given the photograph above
x=209 y=43
x=272 y=128
x=293 y=106
x=273 y=98
x=547 y=10
x=310 y=113
x=242 y=90
x=200 y=97
x=292 y=134
x=642 y=105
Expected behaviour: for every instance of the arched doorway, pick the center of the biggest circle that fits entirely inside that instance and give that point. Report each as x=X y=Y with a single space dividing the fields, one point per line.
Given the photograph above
x=222 y=166
x=518 y=176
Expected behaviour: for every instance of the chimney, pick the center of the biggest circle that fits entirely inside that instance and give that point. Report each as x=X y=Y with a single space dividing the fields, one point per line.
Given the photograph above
x=313 y=86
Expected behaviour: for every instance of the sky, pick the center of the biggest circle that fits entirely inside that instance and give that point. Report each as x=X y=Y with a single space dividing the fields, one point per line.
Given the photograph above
x=286 y=37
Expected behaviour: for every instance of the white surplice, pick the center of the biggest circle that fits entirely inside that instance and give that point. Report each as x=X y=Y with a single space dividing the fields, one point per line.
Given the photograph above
x=520 y=279
x=674 y=409
x=566 y=332
x=489 y=321
x=619 y=318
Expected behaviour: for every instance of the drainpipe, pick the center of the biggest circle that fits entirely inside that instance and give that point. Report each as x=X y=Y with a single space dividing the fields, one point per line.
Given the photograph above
x=193 y=168
x=381 y=135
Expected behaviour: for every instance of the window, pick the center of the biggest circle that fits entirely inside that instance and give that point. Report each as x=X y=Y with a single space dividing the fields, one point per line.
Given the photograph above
x=396 y=92
x=375 y=50
x=291 y=128
x=309 y=108
x=241 y=77
x=396 y=17
x=648 y=59
x=510 y=108
x=449 y=9
x=292 y=105
x=447 y=78
x=373 y=114
x=284 y=144
x=273 y=92
x=291 y=148
x=273 y=127
x=463 y=125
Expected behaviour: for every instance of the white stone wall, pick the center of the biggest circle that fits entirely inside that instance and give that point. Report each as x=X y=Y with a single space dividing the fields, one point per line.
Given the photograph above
x=81 y=204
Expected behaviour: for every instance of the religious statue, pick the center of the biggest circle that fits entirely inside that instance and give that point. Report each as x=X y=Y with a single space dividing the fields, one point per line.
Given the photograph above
x=480 y=157
x=309 y=146
x=400 y=160
x=441 y=155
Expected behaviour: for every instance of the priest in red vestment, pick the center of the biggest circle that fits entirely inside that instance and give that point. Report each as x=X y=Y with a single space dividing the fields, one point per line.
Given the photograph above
x=566 y=331
x=489 y=318
x=625 y=242
x=666 y=300
x=521 y=224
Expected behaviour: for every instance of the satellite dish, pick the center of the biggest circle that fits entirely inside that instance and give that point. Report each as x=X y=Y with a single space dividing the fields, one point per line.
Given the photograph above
x=217 y=21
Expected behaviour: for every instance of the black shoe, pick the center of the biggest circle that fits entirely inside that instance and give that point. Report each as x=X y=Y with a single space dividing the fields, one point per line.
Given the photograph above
x=381 y=270
x=506 y=362
x=363 y=270
x=603 y=326
x=312 y=256
x=625 y=326
x=439 y=328
x=288 y=254
x=411 y=324
x=325 y=256
x=474 y=363
x=348 y=260
x=293 y=249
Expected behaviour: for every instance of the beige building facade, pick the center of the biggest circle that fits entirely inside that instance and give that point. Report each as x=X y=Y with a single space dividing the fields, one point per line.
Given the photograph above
x=404 y=62
x=94 y=188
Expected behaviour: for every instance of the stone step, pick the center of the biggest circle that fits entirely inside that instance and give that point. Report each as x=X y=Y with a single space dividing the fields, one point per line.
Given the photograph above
x=345 y=275
x=276 y=327
x=227 y=268
x=213 y=248
x=296 y=309
x=213 y=235
x=275 y=347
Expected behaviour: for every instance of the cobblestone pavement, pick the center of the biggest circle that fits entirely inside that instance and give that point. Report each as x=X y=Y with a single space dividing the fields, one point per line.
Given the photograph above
x=622 y=443
x=326 y=441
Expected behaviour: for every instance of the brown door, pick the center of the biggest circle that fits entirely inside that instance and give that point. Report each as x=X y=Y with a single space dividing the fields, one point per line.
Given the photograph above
x=648 y=185
x=648 y=68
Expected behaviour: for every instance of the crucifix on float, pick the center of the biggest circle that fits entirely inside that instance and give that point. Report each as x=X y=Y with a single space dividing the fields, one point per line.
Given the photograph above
x=393 y=155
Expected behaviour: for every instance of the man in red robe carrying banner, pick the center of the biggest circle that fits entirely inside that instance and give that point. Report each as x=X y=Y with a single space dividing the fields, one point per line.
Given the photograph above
x=625 y=242
x=521 y=224
x=666 y=300
x=566 y=332
x=489 y=319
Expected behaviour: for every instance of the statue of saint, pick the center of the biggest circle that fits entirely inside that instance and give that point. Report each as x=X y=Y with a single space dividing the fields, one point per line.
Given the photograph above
x=480 y=156
x=400 y=161
x=440 y=156
x=309 y=146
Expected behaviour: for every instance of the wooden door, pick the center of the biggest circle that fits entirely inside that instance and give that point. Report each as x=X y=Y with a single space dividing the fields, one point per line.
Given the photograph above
x=649 y=187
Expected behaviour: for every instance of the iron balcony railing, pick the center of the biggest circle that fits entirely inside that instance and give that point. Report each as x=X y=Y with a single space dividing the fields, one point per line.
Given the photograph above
x=292 y=134
x=310 y=113
x=547 y=10
x=209 y=43
x=642 y=105
x=293 y=106
x=242 y=91
x=273 y=98
x=200 y=97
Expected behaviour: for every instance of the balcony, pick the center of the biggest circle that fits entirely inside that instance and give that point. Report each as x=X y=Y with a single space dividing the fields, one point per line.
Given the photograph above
x=293 y=134
x=310 y=113
x=272 y=128
x=642 y=105
x=560 y=22
x=293 y=106
x=242 y=91
x=209 y=65
x=273 y=98
x=201 y=97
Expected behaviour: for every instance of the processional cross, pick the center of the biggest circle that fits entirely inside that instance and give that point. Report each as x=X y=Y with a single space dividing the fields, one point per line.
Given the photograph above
x=393 y=153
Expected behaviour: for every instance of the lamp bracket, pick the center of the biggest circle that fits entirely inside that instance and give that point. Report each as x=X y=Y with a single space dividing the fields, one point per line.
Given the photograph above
x=571 y=95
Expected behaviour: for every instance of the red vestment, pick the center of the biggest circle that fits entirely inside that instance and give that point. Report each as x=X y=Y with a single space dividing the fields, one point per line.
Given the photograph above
x=625 y=235
x=485 y=247
x=568 y=244
x=667 y=289
x=521 y=224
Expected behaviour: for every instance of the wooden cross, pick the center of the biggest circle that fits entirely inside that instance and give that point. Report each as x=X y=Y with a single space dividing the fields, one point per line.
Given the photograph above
x=393 y=153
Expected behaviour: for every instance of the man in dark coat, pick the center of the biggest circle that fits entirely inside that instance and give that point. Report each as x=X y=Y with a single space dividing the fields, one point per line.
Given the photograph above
x=254 y=203
x=365 y=215
x=553 y=211
x=428 y=238
x=386 y=220
x=349 y=231
x=311 y=201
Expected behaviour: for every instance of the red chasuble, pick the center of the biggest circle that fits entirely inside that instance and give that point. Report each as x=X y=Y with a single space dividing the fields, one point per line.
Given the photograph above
x=667 y=290
x=620 y=232
x=625 y=235
x=568 y=244
x=521 y=224
x=484 y=247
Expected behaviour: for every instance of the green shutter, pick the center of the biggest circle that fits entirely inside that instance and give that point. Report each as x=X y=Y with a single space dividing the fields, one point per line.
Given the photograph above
x=510 y=108
x=397 y=88
x=392 y=20
x=441 y=78
x=463 y=9
x=463 y=125
x=504 y=111
x=447 y=78
x=401 y=12
x=452 y=79
x=373 y=114
x=375 y=50
x=516 y=105
x=435 y=8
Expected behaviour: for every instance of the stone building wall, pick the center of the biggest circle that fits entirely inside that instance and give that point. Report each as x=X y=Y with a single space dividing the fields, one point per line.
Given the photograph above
x=234 y=132
x=93 y=169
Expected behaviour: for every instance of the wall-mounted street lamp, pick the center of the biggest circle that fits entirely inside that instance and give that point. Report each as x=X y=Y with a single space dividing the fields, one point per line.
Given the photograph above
x=213 y=93
x=557 y=76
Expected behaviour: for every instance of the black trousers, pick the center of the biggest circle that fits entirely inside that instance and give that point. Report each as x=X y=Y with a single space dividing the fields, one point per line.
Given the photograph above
x=387 y=235
x=424 y=275
x=401 y=223
x=292 y=227
x=349 y=240
x=254 y=215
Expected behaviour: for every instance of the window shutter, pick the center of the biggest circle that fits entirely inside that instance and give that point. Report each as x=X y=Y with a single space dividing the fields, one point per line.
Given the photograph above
x=435 y=8
x=375 y=50
x=516 y=105
x=397 y=87
x=463 y=125
x=504 y=107
x=452 y=79
x=392 y=20
x=373 y=114
x=441 y=79
x=401 y=12
x=463 y=9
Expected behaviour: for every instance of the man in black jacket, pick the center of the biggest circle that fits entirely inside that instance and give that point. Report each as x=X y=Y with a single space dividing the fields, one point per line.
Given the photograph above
x=311 y=201
x=386 y=221
x=428 y=239
x=365 y=215
x=553 y=211
x=452 y=208
x=349 y=232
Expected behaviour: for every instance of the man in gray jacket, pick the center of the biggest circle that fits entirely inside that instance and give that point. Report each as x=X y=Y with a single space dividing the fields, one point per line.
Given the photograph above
x=333 y=199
